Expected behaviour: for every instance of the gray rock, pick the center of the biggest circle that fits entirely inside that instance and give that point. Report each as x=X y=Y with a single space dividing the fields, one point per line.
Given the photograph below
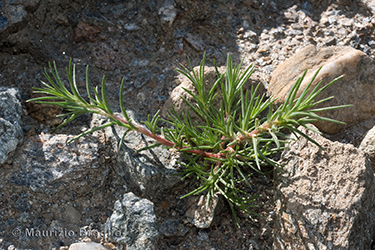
x=148 y=172
x=13 y=12
x=46 y=162
x=324 y=199
x=86 y=246
x=167 y=12
x=16 y=13
x=131 y=27
x=10 y=105
x=142 y=79
x=199 y=214
x=368 y=145
x=134 y=218
x=69 y=214
x=4 y=22
x=172 y=228
x=11 y=134
x=195 y=42
x=356 y=88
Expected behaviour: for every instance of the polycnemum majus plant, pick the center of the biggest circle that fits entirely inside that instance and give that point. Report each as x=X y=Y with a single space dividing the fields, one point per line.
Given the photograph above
x=232 y=138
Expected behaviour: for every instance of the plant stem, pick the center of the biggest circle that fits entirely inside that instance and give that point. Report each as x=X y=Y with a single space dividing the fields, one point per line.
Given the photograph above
x=203 y=153
x=160 y=139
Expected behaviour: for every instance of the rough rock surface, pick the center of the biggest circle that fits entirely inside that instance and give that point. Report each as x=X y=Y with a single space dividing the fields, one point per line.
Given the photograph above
x=368 y=145
x=148 y=172
x=48 y=160
x=324 y=199
x=11 y=133
x=173 y=228
x=44 y=113
x=198 y=214
x=134 y=218
x=14 y=13
x=87 y=246
x=356 y=88
x=46 y=167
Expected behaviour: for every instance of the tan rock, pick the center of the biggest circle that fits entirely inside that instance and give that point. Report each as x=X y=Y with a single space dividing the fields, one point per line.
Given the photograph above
x=368 y=145
x=324 y=199
x=357 y=86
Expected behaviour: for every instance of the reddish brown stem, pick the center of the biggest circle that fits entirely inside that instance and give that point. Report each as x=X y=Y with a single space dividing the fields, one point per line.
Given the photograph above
x=164 y=141
x=170 y=144
x=242 y=137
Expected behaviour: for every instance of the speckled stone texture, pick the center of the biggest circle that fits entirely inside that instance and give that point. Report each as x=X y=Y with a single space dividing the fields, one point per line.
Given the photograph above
x=324 y=199
x=356 y=87
x=147 y=173
x=13 y=12
x=368 y=145
x=11 y=133
x=86 y=246
x=134 y=220
x=47 y=163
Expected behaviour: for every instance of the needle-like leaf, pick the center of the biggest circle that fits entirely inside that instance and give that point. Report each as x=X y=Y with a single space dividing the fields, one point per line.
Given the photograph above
x=229 y=141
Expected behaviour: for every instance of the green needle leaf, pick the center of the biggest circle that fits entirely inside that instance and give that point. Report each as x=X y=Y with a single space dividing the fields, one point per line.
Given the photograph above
x=230 y=139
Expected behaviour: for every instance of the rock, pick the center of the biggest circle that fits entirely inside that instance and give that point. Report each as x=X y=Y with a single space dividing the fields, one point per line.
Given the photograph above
x=368 y=145
x=167 y=12
x=149 y=172
x=85 y=32
x=44 y=113
x=142 y=79
x=107 y=57
x=250 y=35
x=324 y=199
x=175 y=99
x=356 y=88
x=11 y=133
x=4 y=22
x=135 y=219
x=172 y=228
x=16 y=13
x=195 y=42
x=210 y=78
x=330 y=41
x=13 y=13
x=70 y=214
x=109 y=246
x=47 y=162
x=87 y=246
x=199 y=214
x=131 y=27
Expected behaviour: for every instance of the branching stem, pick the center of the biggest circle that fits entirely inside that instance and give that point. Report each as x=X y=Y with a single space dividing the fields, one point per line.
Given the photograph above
x=162 y=140
x=231 y=139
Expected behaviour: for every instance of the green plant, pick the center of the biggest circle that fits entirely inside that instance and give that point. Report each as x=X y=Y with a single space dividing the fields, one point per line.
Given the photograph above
x=228 y=142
